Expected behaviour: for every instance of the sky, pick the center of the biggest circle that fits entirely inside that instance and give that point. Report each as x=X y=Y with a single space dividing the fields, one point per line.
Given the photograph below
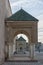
x=33 y=7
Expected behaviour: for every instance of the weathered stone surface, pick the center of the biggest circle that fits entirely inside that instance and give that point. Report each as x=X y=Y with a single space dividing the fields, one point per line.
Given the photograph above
x=3 y=14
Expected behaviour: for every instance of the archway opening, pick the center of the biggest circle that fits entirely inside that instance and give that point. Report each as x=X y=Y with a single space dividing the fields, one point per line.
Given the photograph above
x=21 y=44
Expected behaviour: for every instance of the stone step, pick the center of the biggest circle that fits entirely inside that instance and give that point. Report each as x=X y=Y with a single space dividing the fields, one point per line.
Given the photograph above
x=22 y=61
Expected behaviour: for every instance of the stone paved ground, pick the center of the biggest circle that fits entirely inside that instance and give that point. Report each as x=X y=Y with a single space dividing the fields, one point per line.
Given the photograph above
x=22 y=63
x=37 y=56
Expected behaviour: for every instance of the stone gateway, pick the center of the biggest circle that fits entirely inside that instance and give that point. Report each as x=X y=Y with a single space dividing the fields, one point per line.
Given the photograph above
x=21 y=23
x=11 y=25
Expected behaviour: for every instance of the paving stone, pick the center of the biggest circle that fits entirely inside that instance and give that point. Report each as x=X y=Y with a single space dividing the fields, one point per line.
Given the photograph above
x=22 y=63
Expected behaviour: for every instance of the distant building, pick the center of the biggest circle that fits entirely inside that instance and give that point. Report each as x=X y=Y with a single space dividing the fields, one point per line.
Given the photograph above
x=27 y=46
x=39 y=47
x=20 y=45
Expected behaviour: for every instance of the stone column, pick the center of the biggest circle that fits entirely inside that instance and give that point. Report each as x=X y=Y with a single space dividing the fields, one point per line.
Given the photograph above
x=32 y=48
x=14 y=45
x=6 y=51
x=10 y=50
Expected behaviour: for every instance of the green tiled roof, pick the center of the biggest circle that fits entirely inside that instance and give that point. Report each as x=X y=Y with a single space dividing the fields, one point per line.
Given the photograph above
x=21 y=15
x=21 y=39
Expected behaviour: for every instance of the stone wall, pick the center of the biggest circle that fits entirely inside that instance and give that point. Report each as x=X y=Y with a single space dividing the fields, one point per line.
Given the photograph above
x=3 y=15
x=29 y=28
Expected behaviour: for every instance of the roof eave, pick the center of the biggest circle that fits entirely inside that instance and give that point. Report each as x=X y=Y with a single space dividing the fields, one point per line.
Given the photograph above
x=21 y=20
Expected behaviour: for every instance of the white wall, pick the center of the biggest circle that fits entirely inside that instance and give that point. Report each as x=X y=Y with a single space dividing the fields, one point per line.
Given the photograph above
x=3 y=14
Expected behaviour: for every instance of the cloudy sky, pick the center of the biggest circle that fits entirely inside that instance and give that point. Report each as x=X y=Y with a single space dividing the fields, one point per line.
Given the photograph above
x=35 y=8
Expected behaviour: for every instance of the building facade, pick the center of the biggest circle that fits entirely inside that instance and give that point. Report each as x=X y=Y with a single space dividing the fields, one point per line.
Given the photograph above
x=22 y=23
x=20 y=45
x=12 y=25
